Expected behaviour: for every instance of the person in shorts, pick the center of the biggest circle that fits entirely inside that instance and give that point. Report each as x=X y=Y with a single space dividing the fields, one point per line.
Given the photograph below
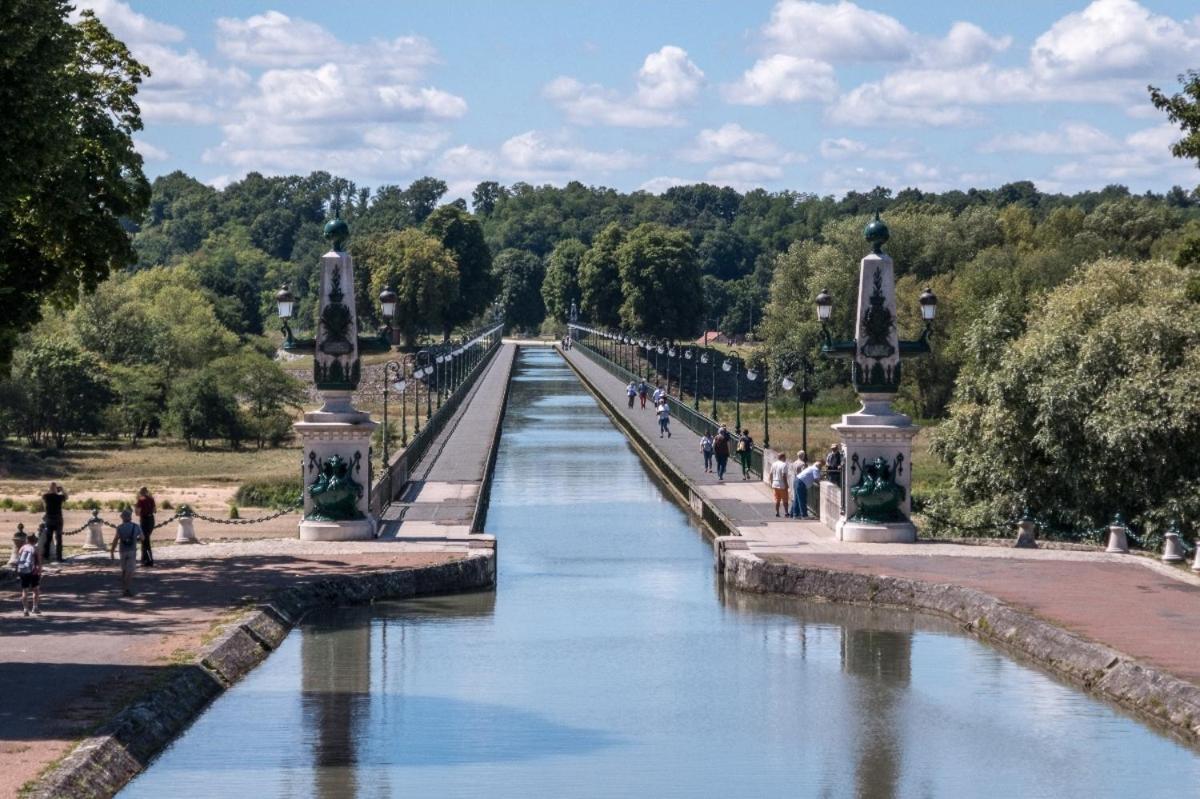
x=779 y=484
x=29 y=570
x=128 y=536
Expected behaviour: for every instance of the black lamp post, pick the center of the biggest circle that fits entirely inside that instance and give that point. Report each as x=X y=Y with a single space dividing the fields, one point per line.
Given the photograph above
x=424 y=372
x=806 y=395
x=397 y=369
x=752 y=375
x=730 y=366
x=708 y=358
x=286 y=304
x=693 y=356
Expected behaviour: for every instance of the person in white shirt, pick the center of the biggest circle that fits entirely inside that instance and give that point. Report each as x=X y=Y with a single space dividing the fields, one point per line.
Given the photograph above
x=804 y=479
x=664 y=419
x=658 y=396
x=706 y=449
x=779 y=483
x=631 y=392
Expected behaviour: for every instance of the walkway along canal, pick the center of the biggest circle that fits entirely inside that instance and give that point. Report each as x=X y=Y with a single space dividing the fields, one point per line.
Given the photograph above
x=610 y=663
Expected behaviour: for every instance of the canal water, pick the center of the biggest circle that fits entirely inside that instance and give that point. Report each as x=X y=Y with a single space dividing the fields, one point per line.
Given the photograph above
x=609 y=663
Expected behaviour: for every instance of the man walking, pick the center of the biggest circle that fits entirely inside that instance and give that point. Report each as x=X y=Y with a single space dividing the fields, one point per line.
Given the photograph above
x=631 y=392
x=643 y=390
x=721 y=451
x=128 y=535
x=806 y=478
x=664 y=419
x=745 y=446
x=53 y=501
x=779 y=483
x=145 y=510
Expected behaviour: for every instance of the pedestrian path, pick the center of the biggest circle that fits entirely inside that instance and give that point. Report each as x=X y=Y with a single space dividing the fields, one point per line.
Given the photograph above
x=1133 y=603
x=442 y=497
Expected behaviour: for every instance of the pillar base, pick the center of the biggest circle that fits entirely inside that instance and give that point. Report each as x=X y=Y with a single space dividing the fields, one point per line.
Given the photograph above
x=354 y=530
x=877 y=533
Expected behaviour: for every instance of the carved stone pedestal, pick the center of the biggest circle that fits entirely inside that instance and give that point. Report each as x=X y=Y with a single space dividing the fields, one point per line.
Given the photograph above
x=336 y=441
x=878 y=444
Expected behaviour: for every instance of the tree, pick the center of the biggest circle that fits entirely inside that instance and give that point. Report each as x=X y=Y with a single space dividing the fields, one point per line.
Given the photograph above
x=137 y=407
x=660 y=282
x=462 y=235
x=422 y=196
x=1101 y=382
x=485 y=197
x=1184 y=110
x=520 y=276
x=67 y=391
x=420 y=270
x=267 y=395
x=200 y=408
x=70 y=173
x=561 y=286
x=232 y=270
x=600 y=279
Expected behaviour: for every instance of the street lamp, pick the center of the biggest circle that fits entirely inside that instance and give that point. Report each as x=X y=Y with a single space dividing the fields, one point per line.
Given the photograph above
x=286 y=305
x=425 y=370
x=752 y=375
x=729 y=366
x=691 y=356
x=396 y=368
x=706 y=357
x=806 y=395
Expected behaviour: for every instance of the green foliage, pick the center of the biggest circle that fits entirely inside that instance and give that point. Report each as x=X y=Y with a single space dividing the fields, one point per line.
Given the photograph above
x=600 y=279
x=136 y=410
x=69 y=171
x=1184 y=110
x=419 y=269
x=267 y=396
x=66 y=390
x=561 y=286
x=200 y=409
x=1086 y=412
x=660 y=282
x=462 y=235
x=520 y=276
x=232 y=271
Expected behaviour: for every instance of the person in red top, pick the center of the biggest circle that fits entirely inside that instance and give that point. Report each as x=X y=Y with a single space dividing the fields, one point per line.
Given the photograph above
x=145 y=510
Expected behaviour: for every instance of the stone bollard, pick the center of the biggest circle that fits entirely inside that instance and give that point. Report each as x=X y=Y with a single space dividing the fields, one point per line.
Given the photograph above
x=184 y=532
x=19 y=539
x=1026 y=533
x=95 y=532
x=1118 y=538
x=1172 y=545
x=1196 y=564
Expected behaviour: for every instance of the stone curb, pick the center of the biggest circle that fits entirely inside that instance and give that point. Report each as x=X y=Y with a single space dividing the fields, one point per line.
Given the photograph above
x=107 y=760
x=680 y=487
x=1152 y=693
x=489 y=465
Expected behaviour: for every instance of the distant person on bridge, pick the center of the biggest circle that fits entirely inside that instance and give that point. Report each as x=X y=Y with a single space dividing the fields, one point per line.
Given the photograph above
x=658 y=395
x=664 y=419
x=811 y=474
x=643 y=391
x=779 y=483
x=631 y=390
x=745 y=447
x=29 y=570
x=721 y=451
x=706 y=449
x=128 y=534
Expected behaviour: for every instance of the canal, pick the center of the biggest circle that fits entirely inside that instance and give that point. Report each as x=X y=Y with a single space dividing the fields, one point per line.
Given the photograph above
x=609 y=663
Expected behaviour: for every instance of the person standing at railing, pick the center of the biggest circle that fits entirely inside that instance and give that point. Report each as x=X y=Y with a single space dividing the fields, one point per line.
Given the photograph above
x=810 y=475
x=797 y=466
x=706 y=449
x=779 y=484
x=664 y=419
x=745 y=447
x=721 y=451
x=631 y=390
x=833 y=464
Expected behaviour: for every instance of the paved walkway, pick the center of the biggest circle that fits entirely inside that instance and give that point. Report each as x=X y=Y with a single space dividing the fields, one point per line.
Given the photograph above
x=441 y=498
x=1135 y=604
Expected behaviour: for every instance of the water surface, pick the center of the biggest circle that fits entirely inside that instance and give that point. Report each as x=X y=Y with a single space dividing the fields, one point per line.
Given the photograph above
x=609 y=663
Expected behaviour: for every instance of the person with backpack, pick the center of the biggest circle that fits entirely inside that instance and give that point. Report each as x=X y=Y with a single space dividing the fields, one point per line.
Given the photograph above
x=128 y=535
x=29 y=570
x=664 y=419
x=706 y=449
x=631 y=392
x=745 y=446
x=721 y=451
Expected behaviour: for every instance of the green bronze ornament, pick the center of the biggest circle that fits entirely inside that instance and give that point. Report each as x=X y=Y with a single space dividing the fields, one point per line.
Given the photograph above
x=877 y=495
x=335 y=493
x=877 y=234
x=336 y=233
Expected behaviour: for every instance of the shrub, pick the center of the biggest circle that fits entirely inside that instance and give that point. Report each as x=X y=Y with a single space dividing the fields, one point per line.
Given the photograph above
x=268 y=493
x=233 y=511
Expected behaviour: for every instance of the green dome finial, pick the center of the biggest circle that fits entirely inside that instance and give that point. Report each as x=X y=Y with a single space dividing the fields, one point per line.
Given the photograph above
x=877 y=233
x=336 y=233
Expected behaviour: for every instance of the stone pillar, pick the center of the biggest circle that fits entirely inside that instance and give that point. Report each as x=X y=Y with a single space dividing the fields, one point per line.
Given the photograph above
x=95 y=532
x=185 y=533
x=877 y=439
x=336 y=439
x=1172 y=546
x=1118 y=537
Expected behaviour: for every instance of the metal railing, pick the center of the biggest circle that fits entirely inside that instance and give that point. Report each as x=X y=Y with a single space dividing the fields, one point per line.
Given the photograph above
x=695 y=421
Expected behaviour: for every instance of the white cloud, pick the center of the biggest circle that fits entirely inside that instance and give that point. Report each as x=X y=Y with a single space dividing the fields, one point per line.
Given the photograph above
x=667 y=80
x=1114 y=38
x=965 y=44
x=731 y=140
x=744 y=173
x=128 y=25
x=661 y=184
x=1072 y=138
x=842 y=148
x=273 y=39
x=783 y=78
x=841 y=31
x=532 y=156
x=871 y=105
x=1143 y=156
x=149 y=152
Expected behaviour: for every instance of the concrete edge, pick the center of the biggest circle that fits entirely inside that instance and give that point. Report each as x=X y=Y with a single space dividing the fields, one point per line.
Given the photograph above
x=124 y=746
x=680 y=488
x=1149 y=692
x=489 y=465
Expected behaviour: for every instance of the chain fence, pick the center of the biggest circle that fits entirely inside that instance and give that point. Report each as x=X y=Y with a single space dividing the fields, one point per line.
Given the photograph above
x=185 y=511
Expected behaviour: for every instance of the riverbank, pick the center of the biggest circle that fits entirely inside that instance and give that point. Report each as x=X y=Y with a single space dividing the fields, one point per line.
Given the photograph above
x=1130 y=615
x=120 y=677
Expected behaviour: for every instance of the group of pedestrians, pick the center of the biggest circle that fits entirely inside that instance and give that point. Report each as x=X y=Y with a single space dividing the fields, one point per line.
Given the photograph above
x=640 y=391
x=46 y=544
x=716 y=448
x=794 y=478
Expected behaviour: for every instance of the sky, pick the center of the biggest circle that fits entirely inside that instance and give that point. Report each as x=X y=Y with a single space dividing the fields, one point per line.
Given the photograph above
x=821 y=97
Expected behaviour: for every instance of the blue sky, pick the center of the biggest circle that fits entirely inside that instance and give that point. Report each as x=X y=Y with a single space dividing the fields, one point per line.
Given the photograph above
x=819 y=97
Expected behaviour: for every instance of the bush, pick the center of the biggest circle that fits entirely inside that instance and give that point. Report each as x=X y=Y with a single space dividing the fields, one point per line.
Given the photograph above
x=268 y=493
x=166 y=505
x=233 y=511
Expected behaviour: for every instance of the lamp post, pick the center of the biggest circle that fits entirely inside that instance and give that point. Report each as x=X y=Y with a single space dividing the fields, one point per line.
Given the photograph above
x=730 y=366
x=877 y=439
x=708 y=358
x=670 y=355
x=752 y=375
x=693 y=356
x=806 y=395
x=286 y=305
x=396 y=368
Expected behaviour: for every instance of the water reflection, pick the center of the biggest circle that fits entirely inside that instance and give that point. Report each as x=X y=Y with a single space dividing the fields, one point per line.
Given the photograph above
x=611 y=663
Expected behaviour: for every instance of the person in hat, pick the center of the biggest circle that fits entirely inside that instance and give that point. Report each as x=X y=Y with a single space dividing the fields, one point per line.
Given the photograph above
x=833 y=464
x=128 y=536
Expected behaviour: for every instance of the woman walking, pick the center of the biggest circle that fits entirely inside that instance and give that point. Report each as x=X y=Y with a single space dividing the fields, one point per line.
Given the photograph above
x=706 y=449
x=145 y=510
x=664 y=419
x=745 y=446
